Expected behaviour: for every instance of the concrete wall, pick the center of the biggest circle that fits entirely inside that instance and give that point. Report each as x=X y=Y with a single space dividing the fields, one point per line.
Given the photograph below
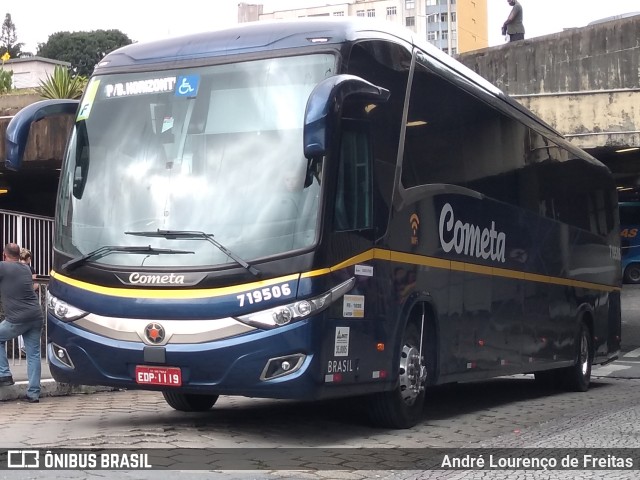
x=47 y=140
x=10 y=104
x=585 y=82
x=605 y=56
x=594 y=120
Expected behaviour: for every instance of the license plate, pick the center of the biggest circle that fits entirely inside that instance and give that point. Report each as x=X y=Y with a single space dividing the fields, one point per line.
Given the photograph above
x=170 y=376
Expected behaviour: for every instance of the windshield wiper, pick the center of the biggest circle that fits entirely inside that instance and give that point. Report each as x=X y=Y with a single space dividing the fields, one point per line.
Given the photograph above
x=107 y=249
x=195 y=235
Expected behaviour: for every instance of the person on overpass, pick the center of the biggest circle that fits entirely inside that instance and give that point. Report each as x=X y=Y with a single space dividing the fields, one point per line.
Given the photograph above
x=513 y=25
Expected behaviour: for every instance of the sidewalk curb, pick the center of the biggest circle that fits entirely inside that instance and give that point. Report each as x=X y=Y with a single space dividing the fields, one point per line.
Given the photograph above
x=49 y=388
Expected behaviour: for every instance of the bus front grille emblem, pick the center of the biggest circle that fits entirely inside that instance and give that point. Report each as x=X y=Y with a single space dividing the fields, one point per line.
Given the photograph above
x=154 y=333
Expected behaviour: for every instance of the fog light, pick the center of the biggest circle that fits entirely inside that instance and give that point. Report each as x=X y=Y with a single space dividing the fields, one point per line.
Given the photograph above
x=280 y=366
x=61 y=354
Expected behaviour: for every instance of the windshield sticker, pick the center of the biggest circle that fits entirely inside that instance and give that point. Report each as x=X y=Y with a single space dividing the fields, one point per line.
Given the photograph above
x=353 y=306
x=341 y=347
x=87 y=102
x=167 y=124
x=187 y=86
x=364 y=270
x=140 y=87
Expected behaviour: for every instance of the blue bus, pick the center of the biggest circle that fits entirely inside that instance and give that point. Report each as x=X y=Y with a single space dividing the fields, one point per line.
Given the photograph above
x=320 y=209
x=630 y=240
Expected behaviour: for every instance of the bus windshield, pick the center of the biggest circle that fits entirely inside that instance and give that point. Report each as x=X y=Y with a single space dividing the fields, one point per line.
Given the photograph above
x=214 y=149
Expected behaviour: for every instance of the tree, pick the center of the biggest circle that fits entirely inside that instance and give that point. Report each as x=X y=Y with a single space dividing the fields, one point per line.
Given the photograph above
x=62 y=84
x=8 y=39
x=83 y=50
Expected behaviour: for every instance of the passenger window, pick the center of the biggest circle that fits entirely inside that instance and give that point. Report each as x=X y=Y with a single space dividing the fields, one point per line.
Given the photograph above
x=454 y=137
x=353 y=207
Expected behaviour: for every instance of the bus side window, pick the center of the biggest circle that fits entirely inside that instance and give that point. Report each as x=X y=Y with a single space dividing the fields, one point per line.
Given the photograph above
x=353 y=207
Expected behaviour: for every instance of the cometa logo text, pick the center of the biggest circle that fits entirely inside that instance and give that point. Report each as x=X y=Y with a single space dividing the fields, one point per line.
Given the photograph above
x=170 y=279
x=469 y=239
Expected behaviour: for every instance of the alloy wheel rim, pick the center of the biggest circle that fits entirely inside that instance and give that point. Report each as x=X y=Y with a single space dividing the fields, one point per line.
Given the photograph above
x=584 y=353
x=412 y=374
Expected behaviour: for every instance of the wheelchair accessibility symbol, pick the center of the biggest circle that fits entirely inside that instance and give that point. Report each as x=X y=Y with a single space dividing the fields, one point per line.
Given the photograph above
x=187 y=86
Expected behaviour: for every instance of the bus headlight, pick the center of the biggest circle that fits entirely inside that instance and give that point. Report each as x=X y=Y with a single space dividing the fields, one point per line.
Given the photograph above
x=62 y=310
x=292 y=312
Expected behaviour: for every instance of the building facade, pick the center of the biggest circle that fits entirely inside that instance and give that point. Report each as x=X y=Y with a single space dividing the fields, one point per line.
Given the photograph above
x=454 y=26
x=28 y=72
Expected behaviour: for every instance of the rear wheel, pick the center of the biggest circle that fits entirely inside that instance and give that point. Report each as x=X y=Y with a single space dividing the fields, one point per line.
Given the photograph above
x=632 y=273
x=578 y=377
x=189 y=402
x=402 y=407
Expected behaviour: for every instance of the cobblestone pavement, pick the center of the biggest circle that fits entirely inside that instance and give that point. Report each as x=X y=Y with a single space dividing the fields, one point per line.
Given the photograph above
x=497 y=414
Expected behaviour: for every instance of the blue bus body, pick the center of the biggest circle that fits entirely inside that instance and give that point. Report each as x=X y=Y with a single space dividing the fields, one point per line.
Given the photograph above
x=444 y=233
x=630 y=240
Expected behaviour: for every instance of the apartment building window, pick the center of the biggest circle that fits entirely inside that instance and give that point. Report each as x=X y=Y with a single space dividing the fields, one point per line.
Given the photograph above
x=453 y=16
x=338 y=14
x=443 y=17
x=445 y=35
x=371 y=13
x=454 y=50
x=433 y=36
x=410 y=4
x=359 y=13
x=433 y=18
x=391 y=10
x=432 y=3
x=410 y=21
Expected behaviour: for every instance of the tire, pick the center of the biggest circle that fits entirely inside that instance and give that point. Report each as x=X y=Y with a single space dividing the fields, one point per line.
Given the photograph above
x=632 y=273
x=578 y=377
x=402 y=407
x=189 y=402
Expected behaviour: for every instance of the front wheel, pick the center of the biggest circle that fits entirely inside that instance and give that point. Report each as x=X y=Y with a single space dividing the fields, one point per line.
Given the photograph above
x=190 y=402
x=402 y=407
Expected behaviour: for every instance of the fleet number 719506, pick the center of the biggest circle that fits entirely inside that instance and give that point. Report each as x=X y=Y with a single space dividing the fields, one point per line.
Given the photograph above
x=264 y=294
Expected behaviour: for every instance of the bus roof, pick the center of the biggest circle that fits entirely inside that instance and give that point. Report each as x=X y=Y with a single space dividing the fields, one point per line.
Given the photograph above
x=253 y=37
x=273 y=35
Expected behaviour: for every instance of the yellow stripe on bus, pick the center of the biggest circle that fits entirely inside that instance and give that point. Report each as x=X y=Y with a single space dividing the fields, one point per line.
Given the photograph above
x=375 y=253
x=172 y=293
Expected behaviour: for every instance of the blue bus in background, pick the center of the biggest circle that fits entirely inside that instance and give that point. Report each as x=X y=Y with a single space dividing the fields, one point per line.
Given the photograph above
x=630 y=240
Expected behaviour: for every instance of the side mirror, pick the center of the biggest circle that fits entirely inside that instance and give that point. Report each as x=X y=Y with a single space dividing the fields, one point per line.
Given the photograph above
x=18 y=129
x=324 y=108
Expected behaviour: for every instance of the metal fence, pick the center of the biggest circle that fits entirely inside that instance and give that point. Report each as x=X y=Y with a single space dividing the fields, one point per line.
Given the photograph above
x=35 y=233
x=30 y=231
